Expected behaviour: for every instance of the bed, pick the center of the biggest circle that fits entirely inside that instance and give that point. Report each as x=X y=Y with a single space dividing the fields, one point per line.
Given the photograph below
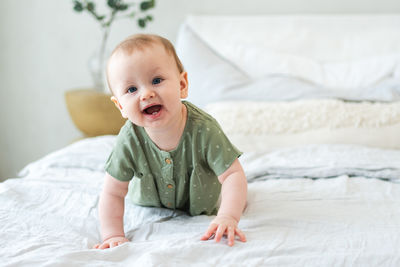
x=312 y=101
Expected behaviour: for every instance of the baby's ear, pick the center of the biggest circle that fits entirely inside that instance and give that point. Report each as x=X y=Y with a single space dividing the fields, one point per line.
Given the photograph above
x=118 y=105
x=184 y=84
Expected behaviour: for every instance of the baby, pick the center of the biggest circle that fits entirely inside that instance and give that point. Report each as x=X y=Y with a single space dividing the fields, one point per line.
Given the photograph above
x=169 y=153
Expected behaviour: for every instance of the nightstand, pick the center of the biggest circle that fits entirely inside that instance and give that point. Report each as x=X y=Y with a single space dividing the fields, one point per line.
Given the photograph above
x=93 y=113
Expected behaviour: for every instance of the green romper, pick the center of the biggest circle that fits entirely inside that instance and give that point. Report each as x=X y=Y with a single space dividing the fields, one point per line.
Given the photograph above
x=185 y=178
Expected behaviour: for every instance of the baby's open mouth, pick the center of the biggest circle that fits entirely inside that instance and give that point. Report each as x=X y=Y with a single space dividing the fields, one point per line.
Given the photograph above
x=152 y=110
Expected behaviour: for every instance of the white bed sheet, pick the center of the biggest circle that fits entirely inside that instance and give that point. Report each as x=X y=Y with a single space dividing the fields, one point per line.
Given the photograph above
x=49 y=217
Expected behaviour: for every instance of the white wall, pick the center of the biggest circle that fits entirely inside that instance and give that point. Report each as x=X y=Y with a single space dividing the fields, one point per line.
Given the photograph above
x=45 y=47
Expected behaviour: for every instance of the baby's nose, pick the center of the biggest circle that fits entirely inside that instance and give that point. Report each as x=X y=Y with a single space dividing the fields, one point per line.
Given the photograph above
x=147 y=94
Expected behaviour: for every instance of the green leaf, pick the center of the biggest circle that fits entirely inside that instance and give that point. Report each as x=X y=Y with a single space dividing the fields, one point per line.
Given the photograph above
x=142 y=23
x=149 y=18
x=78 y=7
x=122 y=7
x=112 y=3
x=90 y=6
x=145 y=5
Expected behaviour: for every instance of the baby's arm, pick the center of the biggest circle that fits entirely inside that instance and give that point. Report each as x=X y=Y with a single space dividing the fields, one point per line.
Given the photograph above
x=111 y=212
x=233 y=201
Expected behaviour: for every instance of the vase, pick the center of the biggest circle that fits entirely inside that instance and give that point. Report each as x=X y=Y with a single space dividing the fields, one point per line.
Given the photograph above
x=97 y=66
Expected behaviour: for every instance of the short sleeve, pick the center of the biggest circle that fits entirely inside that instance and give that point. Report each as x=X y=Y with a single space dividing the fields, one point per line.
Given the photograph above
x=120 y=162
x=220 y=152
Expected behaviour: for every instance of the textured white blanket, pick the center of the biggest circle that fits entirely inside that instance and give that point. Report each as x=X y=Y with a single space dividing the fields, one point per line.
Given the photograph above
x=260 y=126
x=241 y=117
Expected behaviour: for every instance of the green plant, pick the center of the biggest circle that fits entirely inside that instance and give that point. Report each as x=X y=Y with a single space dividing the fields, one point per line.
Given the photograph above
x=116 y=9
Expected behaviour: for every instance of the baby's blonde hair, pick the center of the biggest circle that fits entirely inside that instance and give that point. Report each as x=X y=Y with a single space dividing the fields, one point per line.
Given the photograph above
x=142 y=41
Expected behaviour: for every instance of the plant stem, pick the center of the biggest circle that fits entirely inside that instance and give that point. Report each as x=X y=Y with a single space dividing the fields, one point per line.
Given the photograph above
x=106 y=31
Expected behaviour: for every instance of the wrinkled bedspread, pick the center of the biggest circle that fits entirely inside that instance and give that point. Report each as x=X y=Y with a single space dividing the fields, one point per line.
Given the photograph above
x=337 y=205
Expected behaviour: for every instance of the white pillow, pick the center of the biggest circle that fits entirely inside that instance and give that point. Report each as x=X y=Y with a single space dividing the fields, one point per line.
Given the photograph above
x=208 y=73
x=215 y=75
x=336 y=51
x=284 y=88
x=263 y=126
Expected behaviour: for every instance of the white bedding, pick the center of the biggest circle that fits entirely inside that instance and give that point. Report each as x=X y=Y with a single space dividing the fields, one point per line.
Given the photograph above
x=261 y=125
x=337 y=51
x=49 y=217
x=288 y=57
x=318 y=196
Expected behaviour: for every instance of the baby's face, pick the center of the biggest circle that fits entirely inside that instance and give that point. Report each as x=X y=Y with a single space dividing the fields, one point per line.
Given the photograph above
x=147 y=86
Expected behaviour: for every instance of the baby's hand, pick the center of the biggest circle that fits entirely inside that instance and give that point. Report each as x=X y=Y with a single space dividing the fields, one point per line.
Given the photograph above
x=224 y=225
x=111 y=242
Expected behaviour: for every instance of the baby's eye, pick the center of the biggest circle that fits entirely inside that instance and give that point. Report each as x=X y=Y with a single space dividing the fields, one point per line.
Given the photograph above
x=157 y=80
x=132 y=89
